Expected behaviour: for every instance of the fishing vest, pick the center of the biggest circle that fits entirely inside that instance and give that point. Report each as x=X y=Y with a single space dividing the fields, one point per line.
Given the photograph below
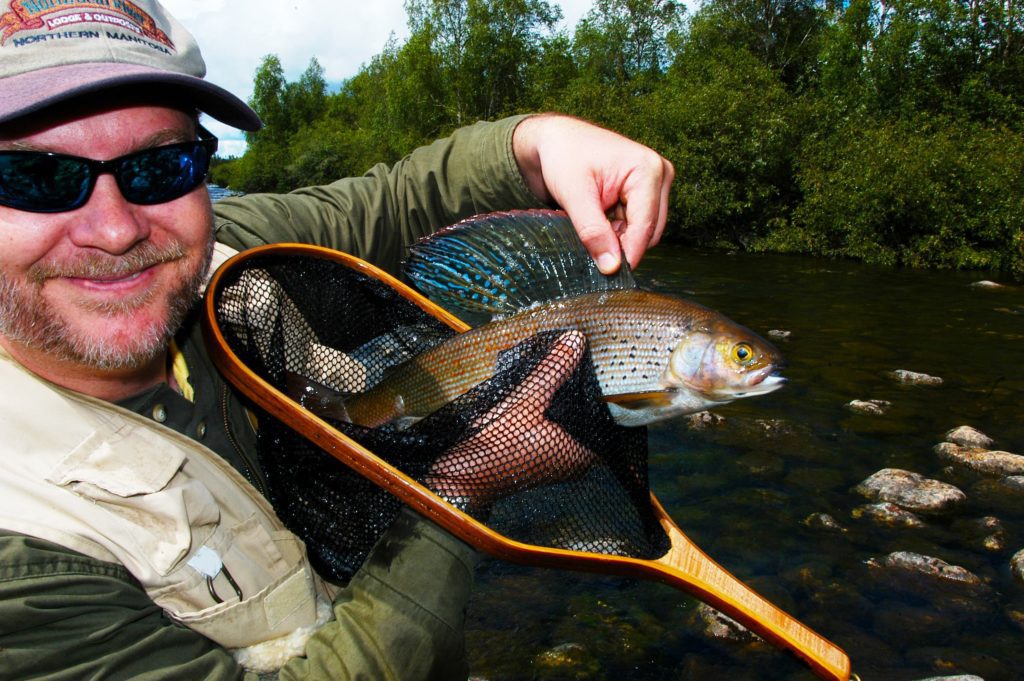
x=205 y=545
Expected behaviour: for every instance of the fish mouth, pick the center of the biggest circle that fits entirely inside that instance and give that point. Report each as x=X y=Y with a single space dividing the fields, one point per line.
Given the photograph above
x=760 y=384
x=763 y=384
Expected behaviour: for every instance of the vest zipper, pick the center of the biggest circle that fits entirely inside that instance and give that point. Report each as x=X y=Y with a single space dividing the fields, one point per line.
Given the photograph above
x=250 y=465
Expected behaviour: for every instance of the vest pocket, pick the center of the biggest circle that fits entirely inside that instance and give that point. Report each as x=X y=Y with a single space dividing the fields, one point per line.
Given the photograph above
x=148 y=504
x=149 y=497
x=277 y=595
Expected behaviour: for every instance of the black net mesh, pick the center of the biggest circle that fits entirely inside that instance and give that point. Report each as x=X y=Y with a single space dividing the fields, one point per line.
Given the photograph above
x=301 y=321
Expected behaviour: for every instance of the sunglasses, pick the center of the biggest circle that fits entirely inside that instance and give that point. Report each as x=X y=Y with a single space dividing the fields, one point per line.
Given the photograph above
x=44 y=182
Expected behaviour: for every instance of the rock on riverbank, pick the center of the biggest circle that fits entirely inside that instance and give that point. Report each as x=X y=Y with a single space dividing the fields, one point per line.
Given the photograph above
x=986 y=461
x=966 y=436
x=870 y=407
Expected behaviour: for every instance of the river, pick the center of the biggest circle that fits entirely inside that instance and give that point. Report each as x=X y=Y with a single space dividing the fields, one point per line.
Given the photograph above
x=744 y=488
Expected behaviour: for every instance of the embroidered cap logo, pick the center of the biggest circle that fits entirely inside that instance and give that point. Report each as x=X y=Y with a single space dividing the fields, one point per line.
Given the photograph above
x=56 y=15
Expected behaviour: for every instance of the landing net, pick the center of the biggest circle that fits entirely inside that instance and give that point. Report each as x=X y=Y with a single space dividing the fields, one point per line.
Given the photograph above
x=297 y=319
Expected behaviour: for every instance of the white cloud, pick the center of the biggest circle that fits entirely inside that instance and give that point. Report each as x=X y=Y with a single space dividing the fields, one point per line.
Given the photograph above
x=343 y=35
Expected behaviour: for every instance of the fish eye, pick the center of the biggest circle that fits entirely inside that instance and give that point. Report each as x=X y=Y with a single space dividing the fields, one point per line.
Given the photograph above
x=743 y=353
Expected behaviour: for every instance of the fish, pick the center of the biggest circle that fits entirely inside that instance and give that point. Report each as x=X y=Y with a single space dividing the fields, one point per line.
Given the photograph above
x=516 y=274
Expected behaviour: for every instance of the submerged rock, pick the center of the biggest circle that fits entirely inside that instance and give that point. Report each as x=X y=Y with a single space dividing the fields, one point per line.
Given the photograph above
x=988 y=532
x=1014 y=484
x=1016 y=616
x=931 y=578
x=721 y=627
x=871 y=407
x=1000 y=495
x=989 y=462
x=956 y=661
x=914 y=378
x=911 y=491
x=774 y=427
x=568 y=656
x=823 y=521
x=1017 y=565
x=965 y=436
x=906 y=625
x=703 y=420
x=761 y=464
x=955 y=677
x=888 y=514
x=986 y=284
x=779 y=334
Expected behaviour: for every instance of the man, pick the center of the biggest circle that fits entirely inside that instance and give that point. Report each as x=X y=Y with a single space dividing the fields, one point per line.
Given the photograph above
x=134 y=540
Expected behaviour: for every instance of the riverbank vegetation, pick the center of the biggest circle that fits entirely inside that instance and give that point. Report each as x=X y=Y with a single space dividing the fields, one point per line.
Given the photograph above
x=891 y=133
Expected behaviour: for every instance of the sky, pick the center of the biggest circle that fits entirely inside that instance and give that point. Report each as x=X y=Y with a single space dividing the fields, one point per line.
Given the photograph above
x=235 y=35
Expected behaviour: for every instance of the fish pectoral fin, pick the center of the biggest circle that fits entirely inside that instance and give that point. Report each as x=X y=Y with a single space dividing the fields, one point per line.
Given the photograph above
x=638 y=401
x=316 y=397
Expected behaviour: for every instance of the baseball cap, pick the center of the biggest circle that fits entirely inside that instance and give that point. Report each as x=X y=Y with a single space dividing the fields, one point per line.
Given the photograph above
x=52 y=51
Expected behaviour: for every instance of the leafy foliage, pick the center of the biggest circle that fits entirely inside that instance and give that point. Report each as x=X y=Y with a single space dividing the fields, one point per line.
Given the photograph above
x=923 y=191
x=889 y=132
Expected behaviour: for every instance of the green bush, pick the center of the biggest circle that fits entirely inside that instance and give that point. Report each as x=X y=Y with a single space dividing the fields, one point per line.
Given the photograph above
x=923 y=192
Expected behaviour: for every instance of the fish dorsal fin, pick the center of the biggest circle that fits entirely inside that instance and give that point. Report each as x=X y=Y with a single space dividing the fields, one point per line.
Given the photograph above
x=500 y=263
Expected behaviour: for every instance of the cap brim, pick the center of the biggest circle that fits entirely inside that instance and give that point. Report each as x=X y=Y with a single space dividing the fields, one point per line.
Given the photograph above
x=36 y=91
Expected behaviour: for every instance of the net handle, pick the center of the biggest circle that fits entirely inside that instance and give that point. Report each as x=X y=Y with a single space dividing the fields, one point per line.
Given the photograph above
x=684 y=566
x=689 y=568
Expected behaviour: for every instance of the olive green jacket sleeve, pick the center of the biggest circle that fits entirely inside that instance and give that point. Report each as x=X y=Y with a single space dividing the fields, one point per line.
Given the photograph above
x=67 y=616
x=402 y=615
x=375 y=216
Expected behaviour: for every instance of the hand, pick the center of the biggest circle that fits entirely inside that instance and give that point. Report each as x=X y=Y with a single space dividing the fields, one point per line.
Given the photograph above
x=516 y=447
x=592 y=173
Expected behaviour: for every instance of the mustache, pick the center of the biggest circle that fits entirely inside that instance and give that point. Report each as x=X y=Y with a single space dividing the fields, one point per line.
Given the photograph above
x=105 y=266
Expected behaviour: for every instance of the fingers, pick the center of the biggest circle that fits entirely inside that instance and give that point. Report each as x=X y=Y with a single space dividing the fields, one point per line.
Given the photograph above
x=646 y=210
x=588 y=170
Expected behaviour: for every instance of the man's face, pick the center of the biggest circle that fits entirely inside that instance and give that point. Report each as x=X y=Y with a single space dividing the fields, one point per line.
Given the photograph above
x=107 y=284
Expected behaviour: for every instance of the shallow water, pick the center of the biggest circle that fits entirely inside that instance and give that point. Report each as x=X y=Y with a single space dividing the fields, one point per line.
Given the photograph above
x=743 y=489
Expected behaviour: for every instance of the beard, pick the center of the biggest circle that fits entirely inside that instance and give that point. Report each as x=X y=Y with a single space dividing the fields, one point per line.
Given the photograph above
x=27 y=318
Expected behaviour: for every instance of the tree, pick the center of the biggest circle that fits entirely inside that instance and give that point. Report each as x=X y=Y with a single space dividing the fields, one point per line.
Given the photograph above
x=782 y=34
x=925 y=190
x=628 y=41
x=885 y=131
x=942 y=56
x=724 y=119
x=305 y=100
x=268 y=99
x=482 y=50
